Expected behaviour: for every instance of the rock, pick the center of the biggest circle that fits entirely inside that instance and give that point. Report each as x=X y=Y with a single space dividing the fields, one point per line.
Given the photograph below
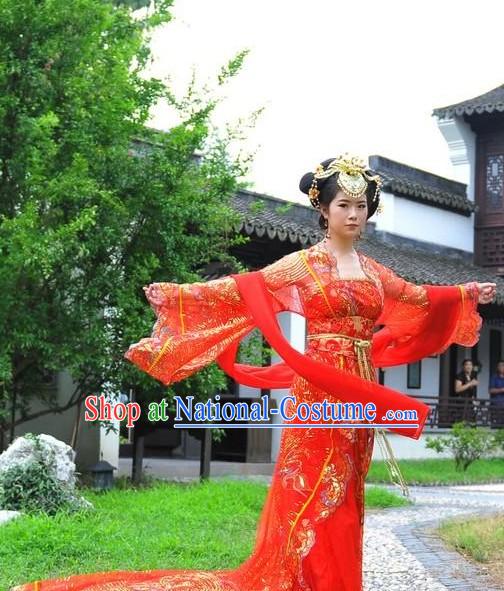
x=6 y=516
x=56 y=455
x=59 y=456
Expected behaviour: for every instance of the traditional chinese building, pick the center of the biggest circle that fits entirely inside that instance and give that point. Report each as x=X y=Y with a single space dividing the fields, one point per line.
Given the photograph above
x=433 y=230
x=425 y=234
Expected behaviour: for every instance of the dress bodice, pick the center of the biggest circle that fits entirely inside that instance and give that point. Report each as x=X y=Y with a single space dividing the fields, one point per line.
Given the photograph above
x=336 y=305
x=355 y=307
x=339 y=304
x=348 y=306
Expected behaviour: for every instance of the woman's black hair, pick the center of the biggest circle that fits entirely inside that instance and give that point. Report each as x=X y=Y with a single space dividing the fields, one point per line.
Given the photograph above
x=467 y=359
x=329 y=188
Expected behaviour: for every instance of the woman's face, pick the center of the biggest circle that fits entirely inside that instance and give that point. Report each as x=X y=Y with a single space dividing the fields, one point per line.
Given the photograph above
x=468 y=366
x=346 y=216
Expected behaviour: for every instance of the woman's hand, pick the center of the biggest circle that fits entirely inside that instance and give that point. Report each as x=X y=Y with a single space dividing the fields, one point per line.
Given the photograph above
x=486 y=292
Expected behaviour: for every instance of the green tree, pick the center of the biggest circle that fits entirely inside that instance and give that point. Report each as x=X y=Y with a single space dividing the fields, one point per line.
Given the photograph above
x=94 y=204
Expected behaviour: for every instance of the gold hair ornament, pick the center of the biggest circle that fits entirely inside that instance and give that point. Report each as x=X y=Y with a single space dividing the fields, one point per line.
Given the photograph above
x=354 y=176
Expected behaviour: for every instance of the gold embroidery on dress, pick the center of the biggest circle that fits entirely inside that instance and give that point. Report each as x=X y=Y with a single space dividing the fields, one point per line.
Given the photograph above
x=286 y=271
x=317 y=281
x=199 y=581
x=333 y=488
x=291 y=472
x=307 y=502
x=181 y=311
x=470 y=322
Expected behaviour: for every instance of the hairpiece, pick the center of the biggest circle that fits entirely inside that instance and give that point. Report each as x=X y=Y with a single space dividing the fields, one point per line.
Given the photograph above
x=354 y=176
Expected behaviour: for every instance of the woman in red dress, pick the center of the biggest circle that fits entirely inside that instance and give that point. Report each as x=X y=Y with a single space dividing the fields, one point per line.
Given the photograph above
x=309 y=535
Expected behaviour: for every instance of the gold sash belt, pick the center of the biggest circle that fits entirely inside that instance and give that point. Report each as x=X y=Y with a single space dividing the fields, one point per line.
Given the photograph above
x=362 y=347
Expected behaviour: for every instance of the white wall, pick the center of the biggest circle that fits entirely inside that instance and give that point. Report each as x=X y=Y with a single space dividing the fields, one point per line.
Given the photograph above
x=61 y=425
x=109 y=444
x=461 y=141
x=294 y=329
x=397 y=378
x=424 y=222
x=407 y=448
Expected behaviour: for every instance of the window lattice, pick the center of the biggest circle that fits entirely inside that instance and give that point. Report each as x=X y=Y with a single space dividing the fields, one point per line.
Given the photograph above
x=494 y=181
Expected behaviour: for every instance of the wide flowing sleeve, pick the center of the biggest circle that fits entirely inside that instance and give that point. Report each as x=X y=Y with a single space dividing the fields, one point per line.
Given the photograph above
x=196 y=322
x=440 y=315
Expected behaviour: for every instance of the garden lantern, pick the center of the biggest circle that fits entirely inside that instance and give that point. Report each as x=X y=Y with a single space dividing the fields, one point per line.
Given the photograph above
x=103 y=475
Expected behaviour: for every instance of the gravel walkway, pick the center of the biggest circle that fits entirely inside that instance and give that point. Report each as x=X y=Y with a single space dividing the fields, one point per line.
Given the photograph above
x=402 y=553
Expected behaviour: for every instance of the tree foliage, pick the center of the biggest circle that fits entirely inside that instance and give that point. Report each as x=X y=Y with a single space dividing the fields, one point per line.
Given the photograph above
x=94 y=204
x=466 y=443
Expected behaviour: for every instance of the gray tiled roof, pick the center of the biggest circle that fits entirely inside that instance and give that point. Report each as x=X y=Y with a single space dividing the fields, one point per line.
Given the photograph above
x=423 y=265
x=484 y=103
x=264 y=215
x=420 y=263
x=419 y=185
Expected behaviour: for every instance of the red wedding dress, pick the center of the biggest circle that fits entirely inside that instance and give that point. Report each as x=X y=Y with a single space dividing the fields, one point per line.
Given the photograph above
x=309 y=535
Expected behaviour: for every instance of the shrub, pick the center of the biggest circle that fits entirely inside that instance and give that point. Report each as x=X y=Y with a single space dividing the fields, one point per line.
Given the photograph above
x=466 y=443
x=499 y=438
x=30 y=487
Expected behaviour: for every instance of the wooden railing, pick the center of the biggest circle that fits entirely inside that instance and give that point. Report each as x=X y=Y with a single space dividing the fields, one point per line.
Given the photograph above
x=445 y=412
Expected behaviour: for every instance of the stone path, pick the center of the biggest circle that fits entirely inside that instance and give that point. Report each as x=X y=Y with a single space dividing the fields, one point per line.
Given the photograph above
x=402 y=552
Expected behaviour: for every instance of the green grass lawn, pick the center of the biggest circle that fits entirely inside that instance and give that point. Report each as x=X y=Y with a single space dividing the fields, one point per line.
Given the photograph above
x=167 y=525
x=479 y=538
x=377 y=497
x=440 y=471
